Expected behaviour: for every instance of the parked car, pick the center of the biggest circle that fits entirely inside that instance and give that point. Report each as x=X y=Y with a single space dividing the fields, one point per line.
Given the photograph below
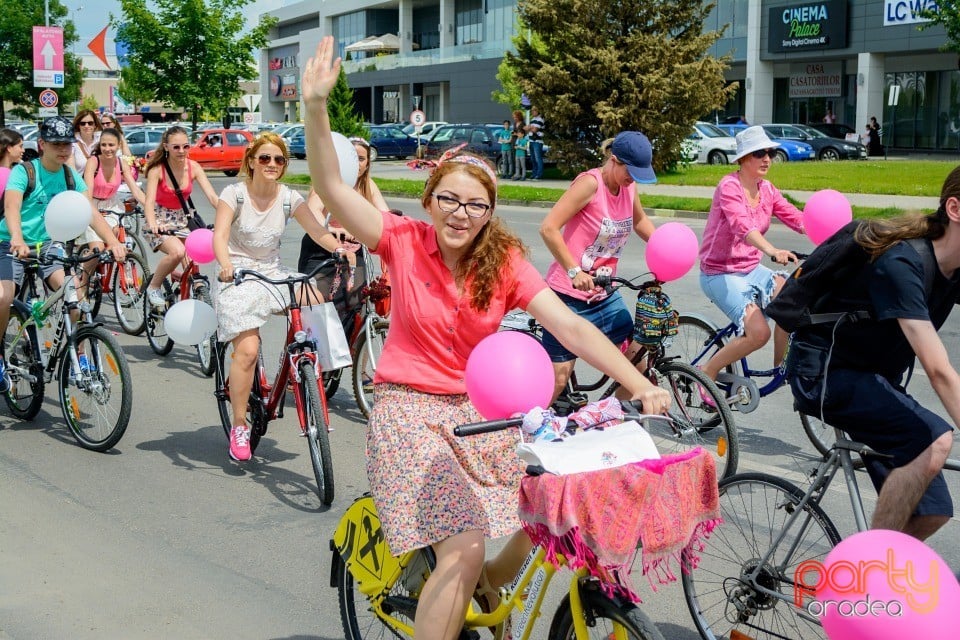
x=297 y=145
x=30 y=148
x=789 y=150
x=834 y=130
x=425 y=129
x=220 y=149
x=827 y=148
x=144 y=140
x=709 y=144
x=390 y=140
x=480 y=138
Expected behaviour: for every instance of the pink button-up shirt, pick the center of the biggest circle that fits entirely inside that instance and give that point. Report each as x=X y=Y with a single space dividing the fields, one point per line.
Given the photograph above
x=724 y=248
x=433 y=328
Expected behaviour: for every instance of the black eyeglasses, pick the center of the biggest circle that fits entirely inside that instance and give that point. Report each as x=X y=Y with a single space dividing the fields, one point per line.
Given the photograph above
x=759 y=155
x=87 y=123
x=264 y=159
x=450 y=205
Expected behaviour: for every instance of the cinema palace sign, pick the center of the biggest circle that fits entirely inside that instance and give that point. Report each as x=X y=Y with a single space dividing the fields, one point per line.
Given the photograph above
x=808 y=27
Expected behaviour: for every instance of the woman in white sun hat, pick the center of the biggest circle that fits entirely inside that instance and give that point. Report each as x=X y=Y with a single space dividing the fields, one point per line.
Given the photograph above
x=731 y=273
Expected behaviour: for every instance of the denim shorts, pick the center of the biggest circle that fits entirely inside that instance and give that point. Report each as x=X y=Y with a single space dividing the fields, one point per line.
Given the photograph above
x=732 y=292
x=880 y=413
x=610 y=315
x=11 y=269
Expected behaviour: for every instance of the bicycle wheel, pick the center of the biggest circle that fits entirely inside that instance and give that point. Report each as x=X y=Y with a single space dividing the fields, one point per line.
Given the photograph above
x=331 y=381
x=695 y=423
x=823 y=437
x=690 y=343
x=157 y=336
x=366 y=353
x=128 y=281
x=208 y=347
x=24 y=366
x=256 y=416
x=604 y=617
x=360 y=622
x=95 y=292
x=96 y=402
x=721 y=598
x=318 y=439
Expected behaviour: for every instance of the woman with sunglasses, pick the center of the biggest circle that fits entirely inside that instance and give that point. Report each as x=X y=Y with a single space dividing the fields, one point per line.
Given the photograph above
x=165 y=210
x=87 y=127
x=109 y=121
x=251 y=217
x=731 y=274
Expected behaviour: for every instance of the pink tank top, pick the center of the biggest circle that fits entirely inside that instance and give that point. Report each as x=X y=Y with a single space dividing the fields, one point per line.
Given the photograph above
x=103 y=189
x=166 y=196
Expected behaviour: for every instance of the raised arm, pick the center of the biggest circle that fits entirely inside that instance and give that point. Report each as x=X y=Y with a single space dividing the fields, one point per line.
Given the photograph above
x=362 y=219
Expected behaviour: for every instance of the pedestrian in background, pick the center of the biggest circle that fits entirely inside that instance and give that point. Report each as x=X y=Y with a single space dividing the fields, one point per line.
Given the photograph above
x=535 y=131
x=520 y=155
x=830 y=118
x=87 y=127
x=505 y=138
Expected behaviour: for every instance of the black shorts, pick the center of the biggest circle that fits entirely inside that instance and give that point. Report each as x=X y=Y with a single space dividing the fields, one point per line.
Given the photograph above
x=879 y=413
x=11 y=269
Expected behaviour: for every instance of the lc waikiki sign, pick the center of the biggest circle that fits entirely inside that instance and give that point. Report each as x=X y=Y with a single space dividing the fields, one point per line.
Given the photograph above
x=808 y=27
x=897 y=12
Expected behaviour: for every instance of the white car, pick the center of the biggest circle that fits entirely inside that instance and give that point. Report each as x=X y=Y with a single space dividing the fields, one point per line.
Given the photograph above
x=426 y=129
x=709 y=145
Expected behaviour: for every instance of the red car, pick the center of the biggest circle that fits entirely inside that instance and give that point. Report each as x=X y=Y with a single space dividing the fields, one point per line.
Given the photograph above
x=220 y=149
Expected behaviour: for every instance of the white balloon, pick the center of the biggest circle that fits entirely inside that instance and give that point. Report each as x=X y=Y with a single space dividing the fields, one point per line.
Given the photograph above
x=190 y=322
x=68 y=215
x=349 y=161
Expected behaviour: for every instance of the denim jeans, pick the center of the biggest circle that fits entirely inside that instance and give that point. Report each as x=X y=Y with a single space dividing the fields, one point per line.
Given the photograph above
x=536 y=157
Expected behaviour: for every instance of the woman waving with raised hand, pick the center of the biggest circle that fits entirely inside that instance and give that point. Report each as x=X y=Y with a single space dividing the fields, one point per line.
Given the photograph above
x=454 y=276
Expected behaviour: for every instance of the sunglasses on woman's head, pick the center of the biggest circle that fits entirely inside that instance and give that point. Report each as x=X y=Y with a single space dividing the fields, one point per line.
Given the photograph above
x=759 y=155
x=265 y=158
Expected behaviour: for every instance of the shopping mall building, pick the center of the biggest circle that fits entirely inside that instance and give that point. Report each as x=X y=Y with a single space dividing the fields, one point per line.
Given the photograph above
x=791 y=61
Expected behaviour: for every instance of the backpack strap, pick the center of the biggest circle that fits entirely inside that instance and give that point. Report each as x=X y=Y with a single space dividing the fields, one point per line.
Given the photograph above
x=287 y=197
x=68 y=178
x=922 y=246
x=239 y=193
x=31 y=170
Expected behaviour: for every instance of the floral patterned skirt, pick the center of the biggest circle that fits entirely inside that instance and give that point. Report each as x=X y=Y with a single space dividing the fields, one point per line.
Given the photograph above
x=169 y=220
x=427 y=483
x=250 y=305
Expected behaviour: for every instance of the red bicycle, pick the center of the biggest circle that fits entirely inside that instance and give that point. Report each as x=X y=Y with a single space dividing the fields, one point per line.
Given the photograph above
x=299 y=368
x=190 y=284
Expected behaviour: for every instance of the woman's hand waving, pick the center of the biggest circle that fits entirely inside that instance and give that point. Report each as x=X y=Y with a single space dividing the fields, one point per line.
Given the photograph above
x=321 y=72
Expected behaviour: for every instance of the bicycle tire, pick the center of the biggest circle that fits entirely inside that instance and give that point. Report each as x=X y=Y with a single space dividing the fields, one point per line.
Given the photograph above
x=605 y=617
x=256 y=415
x=95 y=293
x=695 y=423
x=84 y=398
x=207 y=348
x=331 y=381
x=318 y=438
x=24 y=397
x=364 y=368
x=360 y=622
x=823 y=438
x=157 y=337
x=693 y=335
x=129 y=278
x=719 y=599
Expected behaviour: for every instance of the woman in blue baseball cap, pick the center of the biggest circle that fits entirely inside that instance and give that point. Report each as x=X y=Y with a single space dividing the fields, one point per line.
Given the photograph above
x=585 y=231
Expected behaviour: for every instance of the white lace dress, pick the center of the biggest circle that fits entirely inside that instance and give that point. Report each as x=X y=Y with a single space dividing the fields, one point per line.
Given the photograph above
x=254 y=244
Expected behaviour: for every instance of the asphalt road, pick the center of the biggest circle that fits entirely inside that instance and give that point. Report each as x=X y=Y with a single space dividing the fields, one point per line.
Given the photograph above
x=165 y=537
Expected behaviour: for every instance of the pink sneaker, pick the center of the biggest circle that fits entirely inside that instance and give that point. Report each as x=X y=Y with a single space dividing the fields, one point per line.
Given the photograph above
x=240 y=443
x=705 y=397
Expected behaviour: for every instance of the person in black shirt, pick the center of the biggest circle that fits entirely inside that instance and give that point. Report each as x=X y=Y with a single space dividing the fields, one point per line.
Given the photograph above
x=852 y=374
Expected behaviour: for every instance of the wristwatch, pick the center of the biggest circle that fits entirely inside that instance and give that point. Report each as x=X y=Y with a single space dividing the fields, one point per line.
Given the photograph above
x=573 y=271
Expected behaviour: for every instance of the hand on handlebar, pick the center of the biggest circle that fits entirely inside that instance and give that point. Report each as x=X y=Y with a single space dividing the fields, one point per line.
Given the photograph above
x=226 y=273
x=653 y=399
x=583 y=281
x=118 y=250
x=782 y=256
x=19 y=249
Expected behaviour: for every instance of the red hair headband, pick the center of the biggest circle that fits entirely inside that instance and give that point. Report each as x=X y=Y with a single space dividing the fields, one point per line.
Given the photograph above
x=450 y=155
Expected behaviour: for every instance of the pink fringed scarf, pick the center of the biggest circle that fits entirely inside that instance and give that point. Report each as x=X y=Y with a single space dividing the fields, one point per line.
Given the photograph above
x=595 y=519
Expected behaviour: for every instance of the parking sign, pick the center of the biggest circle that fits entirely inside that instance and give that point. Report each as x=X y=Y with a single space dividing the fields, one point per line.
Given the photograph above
x=48 y=57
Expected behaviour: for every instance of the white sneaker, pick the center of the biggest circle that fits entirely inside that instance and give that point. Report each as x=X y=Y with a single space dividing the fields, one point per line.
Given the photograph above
x=156 y=297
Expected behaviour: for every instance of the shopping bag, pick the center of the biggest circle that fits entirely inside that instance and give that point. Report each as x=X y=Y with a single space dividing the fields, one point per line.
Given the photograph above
x=322 y=324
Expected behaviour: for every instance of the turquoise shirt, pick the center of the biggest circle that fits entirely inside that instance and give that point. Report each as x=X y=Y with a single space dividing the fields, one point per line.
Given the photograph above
x=35 y=206
x=505 y=139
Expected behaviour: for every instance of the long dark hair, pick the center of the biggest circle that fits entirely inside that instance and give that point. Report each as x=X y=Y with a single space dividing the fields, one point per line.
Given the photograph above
x=160 y=153
x=106 y=132
x=8 y=138
x=876 y=236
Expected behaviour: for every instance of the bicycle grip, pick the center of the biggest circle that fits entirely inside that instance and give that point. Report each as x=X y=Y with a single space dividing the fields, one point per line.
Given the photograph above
x=601 y=281
x=486 y=427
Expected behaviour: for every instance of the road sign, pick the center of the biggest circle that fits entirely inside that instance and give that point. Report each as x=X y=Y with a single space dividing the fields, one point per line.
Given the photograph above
x=251 y=101
x=47 y=112
x=49 y=98
x=48 y=57
x=417 y=118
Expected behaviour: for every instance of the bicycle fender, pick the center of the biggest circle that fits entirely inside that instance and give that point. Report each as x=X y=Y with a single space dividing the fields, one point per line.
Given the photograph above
x=362 y=546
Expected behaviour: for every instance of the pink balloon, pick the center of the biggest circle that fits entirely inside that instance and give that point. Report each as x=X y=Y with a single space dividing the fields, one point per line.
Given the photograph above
x=882 y=584
x=199 y=246
x=671 y=250
x=508 y=372
x=4 y=176
x=824 y=213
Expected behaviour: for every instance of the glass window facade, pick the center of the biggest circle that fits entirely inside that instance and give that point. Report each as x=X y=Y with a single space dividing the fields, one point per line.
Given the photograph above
x=347 y=29
x=501 y=19
x=927 y=113
x=733 y=14
x=468 y=21
x=426 y=33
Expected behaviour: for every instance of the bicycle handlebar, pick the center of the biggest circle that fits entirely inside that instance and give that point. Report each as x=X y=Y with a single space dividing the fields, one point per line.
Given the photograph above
x=631 y=411
x=240 y=274
x=33 y=256
x=606 y=281
x=800 y=256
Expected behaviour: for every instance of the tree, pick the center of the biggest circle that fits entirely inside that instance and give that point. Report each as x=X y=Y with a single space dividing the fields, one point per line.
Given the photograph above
x=89 y=102
x=595 y=67
x=16 y=57
x=947 y=15
x=130 y=92
x=190 y=54
x=343 y=112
